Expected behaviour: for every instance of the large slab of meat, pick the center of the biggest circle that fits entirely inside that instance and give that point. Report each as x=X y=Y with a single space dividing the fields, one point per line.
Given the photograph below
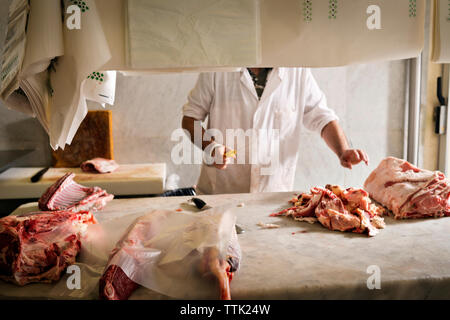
x=337 y=209
x=116 y=285
x=407 y=191
x=99 y=165
x=66 y=194
x=38 y=247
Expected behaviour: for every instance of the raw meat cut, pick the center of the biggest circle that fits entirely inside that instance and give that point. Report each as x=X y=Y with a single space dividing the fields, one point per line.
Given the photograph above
x=407 y=191
x=220 y=270
x=66 y=194
x=99 y=165
x=116 y=285
x=38 y=247
x=337 y=209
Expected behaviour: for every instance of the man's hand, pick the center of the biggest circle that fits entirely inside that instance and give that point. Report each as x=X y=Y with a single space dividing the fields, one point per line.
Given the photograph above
x=221 y=160
x=353 y=156
x=335 y=138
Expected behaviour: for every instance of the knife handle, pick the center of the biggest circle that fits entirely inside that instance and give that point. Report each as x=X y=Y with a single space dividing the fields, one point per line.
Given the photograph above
x=39 y=175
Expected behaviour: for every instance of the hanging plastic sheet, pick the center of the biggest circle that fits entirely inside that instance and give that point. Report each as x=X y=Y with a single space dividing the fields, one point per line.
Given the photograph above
x=199 y=33
x=440 y=49
x=325 y=33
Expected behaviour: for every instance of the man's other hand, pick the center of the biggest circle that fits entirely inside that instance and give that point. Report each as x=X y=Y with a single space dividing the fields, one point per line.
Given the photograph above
x=351 y=157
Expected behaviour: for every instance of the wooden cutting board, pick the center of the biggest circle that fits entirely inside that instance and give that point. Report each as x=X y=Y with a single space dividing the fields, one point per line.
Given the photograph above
x=128 y=179
x=93 y=139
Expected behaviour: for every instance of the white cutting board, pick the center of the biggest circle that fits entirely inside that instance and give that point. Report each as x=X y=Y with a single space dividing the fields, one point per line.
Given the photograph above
x=128 y=179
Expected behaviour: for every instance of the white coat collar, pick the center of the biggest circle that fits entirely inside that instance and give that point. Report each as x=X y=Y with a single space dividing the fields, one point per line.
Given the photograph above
x=247 y=81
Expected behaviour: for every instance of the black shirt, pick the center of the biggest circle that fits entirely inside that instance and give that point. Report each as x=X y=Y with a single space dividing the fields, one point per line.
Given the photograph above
x=260 y=80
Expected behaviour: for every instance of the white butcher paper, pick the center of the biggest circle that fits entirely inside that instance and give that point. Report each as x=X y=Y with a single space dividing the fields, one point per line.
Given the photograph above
x=15 y=6
x=85 y=50
x=44 y=36
x=44 y=42
x=10 y=70
x=13 y=50
x=38 y=97
x=80 y=52
x=174 y=241
x=291 y=37
x=133 y=73
x=196 y=33
x=440 y=45
x=102 y=92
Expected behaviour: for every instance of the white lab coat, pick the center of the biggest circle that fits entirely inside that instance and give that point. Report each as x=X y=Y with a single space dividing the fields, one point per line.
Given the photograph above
x=291 y=99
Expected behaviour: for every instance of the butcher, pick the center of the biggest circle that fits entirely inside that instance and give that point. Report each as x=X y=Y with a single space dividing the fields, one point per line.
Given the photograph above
x=270 y=105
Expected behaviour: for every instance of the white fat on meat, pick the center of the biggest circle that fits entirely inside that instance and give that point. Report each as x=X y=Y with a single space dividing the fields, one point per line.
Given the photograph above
x=310 y=220
x=99 y=165
x=267 y=225
x=409 y=192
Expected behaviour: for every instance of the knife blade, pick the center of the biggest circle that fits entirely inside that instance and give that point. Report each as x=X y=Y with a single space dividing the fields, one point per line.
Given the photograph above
x=36 y=177
x=201 y=205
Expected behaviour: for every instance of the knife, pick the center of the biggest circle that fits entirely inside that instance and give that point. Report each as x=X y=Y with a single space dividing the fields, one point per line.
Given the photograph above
x=201 y=205
x=35 y=178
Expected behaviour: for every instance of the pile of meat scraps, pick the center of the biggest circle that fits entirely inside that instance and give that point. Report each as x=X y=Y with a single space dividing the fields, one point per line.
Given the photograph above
x=181 y=255
x=66 y=194
x=37 y=247
x=337 y=209
x=99 y=165
x=407 y=191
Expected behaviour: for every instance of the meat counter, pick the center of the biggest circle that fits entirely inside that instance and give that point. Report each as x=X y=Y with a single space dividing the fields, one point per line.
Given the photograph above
x=411 y=258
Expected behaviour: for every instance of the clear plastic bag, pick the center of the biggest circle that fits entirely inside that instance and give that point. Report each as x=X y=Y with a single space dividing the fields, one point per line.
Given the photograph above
x=163 y=251
x=171 y=253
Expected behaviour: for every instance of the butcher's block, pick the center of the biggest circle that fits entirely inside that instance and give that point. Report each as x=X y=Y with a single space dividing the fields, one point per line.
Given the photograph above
x=128 y=179
x=93 y=139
